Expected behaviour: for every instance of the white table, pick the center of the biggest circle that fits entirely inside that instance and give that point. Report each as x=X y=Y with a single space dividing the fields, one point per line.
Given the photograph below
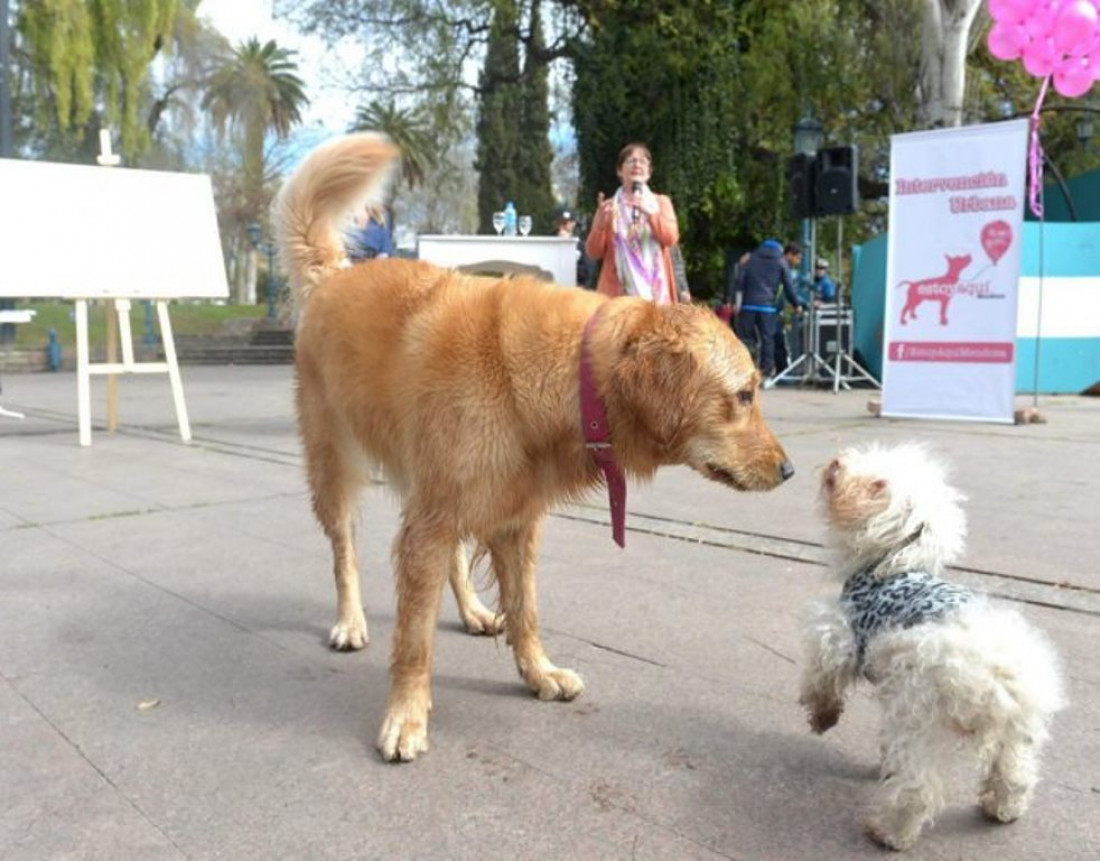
x=20 y=315
x=553 y=254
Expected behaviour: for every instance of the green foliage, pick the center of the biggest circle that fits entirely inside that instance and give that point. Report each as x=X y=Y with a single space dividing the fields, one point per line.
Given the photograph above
x=90 y=57
x=409 y=130
x=188 y=318
x=255 y=92
x=533 y=195
x=668 y=79
x=498 y=144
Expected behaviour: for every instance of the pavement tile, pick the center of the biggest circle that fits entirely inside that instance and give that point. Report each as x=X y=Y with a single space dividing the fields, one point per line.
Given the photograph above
x=166 y=690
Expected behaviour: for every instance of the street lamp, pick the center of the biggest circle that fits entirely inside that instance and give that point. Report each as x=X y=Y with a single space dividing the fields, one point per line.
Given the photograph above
x=1085 y=129
x=809 y=135
x=260 y=243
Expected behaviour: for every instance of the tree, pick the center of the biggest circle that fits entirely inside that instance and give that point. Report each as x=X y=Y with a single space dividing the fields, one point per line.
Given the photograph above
x=443 y=53
x=92 y=57
x=733 y=79
x=499 y=107
x=409 y=130
x=534 y=195
x=435 y=41
x=256 y=92
x=6 y=148
x=945 y=44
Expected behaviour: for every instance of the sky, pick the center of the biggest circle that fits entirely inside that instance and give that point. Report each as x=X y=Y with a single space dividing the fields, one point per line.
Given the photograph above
x=330 y=107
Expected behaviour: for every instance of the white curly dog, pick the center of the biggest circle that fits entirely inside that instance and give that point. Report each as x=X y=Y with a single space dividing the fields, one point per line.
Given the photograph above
x=951 y=670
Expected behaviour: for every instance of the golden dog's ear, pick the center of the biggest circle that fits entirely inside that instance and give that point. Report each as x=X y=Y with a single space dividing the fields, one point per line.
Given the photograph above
x=656 y=375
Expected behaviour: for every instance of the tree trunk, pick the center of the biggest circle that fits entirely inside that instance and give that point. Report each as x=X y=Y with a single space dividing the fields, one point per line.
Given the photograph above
x=946 y=37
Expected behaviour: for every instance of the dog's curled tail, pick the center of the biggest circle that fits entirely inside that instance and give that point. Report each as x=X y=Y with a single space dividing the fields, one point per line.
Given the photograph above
x=310 y=213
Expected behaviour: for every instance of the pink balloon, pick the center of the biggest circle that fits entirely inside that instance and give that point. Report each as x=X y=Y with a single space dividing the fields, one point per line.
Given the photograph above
x=1073 y=81
x=1010 y=11
x=996 y=239
x=1040 y=23
x=1040 y=58
x=1075 y=25
x=1006 y=41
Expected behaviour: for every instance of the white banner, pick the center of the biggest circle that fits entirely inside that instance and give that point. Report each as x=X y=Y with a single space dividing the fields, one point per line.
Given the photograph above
x=957 y=201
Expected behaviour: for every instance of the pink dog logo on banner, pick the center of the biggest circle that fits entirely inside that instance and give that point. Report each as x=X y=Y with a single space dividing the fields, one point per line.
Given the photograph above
x=939 y=289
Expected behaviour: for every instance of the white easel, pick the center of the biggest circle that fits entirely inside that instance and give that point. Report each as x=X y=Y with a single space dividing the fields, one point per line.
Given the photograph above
x=137 y=235
x=20 y=315
x=119 y=331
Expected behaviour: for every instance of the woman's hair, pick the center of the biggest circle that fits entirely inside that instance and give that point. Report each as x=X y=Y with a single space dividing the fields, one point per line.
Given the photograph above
x=626 y=151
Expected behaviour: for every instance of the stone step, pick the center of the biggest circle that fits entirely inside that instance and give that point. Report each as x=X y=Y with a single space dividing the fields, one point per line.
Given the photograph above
x=273 y=337
x=234 y=354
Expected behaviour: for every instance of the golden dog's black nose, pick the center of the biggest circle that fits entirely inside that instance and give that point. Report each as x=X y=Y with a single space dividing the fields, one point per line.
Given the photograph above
x=786 y=469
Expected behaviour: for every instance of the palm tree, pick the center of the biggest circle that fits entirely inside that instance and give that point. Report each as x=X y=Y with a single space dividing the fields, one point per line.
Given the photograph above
x=255 y=92
x=409 y=130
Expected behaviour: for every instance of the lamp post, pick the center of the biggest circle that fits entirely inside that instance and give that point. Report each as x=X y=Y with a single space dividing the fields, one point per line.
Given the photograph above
x=1085 y=128
x=261 y=243
x=809 y=134
x=7 y=330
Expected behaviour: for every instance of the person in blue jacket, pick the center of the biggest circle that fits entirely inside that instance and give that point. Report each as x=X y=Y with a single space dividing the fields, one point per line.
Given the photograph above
x=371 y=237
x=824 y=288
x=758 y=287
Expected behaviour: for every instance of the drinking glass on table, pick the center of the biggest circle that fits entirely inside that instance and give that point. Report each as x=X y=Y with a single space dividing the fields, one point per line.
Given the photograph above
x=525 y=224
x=498 y=222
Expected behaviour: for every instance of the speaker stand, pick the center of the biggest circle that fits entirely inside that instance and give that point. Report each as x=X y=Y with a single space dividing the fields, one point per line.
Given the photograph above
x=843 y=369
x=854 y=370
x=810 y=356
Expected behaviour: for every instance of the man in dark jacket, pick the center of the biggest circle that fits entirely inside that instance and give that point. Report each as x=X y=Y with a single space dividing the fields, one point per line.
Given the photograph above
x=758 y=291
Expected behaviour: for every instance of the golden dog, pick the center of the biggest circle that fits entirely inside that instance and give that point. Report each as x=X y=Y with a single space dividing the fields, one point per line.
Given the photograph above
x=465 y=391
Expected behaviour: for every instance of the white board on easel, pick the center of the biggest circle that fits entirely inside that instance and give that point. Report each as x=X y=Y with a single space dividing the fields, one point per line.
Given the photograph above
x=80 y=232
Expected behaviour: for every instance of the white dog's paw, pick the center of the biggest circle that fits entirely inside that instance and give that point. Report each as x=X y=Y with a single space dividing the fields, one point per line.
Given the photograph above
x=824 y=719
x=404 y=734
x=887 y=831
x=1001 y=809
x=482 y=621
x=349 y=635
x=554 y=683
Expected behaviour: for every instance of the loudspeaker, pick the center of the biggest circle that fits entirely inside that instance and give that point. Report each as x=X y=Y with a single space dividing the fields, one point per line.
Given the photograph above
x=835 y=188
x=834 y=333
x=800 y=182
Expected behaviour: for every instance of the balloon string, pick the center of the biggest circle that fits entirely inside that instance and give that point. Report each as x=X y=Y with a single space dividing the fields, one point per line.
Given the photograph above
x=1035 y=157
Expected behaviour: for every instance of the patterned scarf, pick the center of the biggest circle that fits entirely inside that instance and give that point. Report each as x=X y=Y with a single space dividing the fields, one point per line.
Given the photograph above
x=638 y=259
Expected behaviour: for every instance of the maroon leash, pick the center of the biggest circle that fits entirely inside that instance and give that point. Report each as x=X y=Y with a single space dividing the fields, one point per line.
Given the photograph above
x=597 y=438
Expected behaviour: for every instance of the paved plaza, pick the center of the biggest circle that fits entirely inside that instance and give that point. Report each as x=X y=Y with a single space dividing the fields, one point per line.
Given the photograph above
x=166 y=691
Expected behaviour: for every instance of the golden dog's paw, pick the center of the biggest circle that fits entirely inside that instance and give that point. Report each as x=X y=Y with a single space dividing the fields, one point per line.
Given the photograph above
x=404 y=735
x=349 y=635
x=481 y=621
x=557 y=684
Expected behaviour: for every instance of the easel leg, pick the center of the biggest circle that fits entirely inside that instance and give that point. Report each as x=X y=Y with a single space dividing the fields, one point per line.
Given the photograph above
x=173 y=369
x=83 y=375
x=112 y=358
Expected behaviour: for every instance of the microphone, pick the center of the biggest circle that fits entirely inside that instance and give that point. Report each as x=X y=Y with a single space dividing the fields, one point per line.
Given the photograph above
x=636 y=190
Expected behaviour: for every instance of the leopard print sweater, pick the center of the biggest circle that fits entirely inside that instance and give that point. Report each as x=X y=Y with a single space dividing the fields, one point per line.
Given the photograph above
x=872 y=605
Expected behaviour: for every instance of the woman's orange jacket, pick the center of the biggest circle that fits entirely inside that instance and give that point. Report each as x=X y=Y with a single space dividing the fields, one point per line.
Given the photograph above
x=600 y=246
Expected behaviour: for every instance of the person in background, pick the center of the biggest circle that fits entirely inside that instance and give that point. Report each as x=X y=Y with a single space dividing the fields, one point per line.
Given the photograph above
x=371 y=237
x=764 y=276
x=824 y=288
x=565 y=227
x=789 y=348
x=632 y=232
x=731 y=298
x=679 y=274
